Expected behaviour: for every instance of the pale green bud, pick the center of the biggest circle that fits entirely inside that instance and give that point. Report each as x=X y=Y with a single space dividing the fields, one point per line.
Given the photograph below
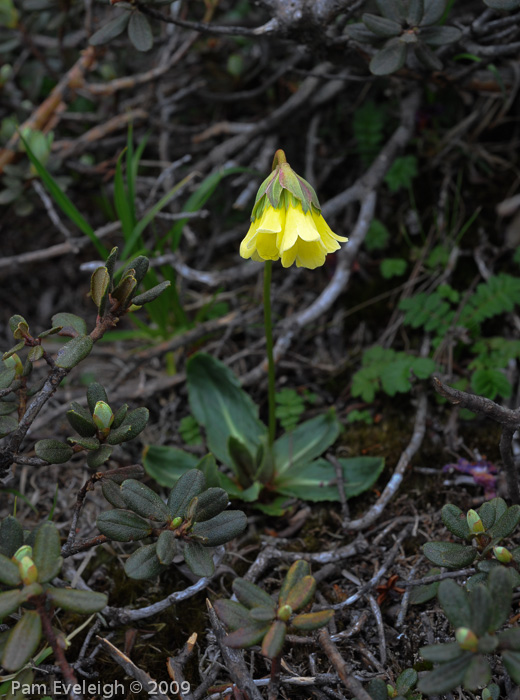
x=502 y=554
x=284 y=613
x=466 y=639
x=103 y=417
x=476 y=526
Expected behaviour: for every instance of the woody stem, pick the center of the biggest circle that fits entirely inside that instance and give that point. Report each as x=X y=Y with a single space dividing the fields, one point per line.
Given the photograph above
x=269 y=349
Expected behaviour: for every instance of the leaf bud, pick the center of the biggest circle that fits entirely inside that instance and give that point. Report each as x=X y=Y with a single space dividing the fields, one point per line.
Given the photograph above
x=502 y=554
x=284 y=613
x=475 y=524
x=27 y=568
x=466 y=639
x=103 y=417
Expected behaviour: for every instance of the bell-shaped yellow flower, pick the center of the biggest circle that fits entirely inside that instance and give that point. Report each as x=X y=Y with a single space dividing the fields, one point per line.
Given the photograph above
x=287 y=223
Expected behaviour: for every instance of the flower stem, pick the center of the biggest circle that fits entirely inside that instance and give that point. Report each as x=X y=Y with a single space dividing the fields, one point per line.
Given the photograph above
x=269 y=349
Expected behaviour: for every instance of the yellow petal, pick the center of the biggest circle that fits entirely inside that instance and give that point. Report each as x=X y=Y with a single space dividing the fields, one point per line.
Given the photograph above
x=247 y=245
x=310 y=254
x=272 y=220
x=266 y=246
x=296 y=226
x=324 y=229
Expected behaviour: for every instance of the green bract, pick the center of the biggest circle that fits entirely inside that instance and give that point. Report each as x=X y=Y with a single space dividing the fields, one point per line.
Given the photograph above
x=192 y=521
x=258 y=619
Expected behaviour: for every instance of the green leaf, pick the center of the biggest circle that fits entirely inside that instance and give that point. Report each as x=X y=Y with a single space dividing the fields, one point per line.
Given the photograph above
x=301 y=593
x=143 y=563
x=70 y=323
x=433 y=12
x=199 y=559
x=389 y=59
x=312 y=621
x=478 y=673
x=247 y=636
x=308 y=441
x=143 y=501
x=74 y=351
x=232 y=614
x=490 y=383
x=110 y=30
x=53 y=451
x=381 y=26
x=123 y=526
x=98 y=457
x=422 y=594
x=208 y=467
x=210 y=503
x=151 y=294
x=61 y=199
x=241 y=461
x=377 y=235
x=505 y=525
x=22 y=641
x=480 y=603
x=406 y=681
x=297 y=571
x=393 y=267
x=81 y=420
x=439 y=36
x=140 y=32
x=99 y=288
x=220 y=405
x=500 y=589
x=47 y=552
x=511 y=660
x=112 y=492
x=377 y=689
x=449 y=554
x=134 y=423
x=9 y=572
x=455 y=603
x=455 y=520
x=189 y=486
x=401 y=173
x=315 y=481
x=10 y=600
x=7 y=425
x=220 y=529
x=167 y=464
x=11 y=536
x=446 y=677
x=167 y=547
x=251 y=595
x=415 y=12
x=273 y=641
x=85 y=602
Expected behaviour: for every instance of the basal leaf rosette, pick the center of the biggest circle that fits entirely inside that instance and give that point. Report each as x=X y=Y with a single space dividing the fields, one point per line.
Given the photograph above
x=258 y=619
x=286 y=222
x=190 y=524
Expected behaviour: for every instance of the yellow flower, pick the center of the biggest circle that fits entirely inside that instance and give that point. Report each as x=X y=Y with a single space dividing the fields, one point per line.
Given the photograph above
x=287 y=223
x=292 y=235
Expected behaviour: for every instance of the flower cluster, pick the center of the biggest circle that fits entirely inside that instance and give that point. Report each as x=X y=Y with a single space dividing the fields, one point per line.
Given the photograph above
x=286 y=222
